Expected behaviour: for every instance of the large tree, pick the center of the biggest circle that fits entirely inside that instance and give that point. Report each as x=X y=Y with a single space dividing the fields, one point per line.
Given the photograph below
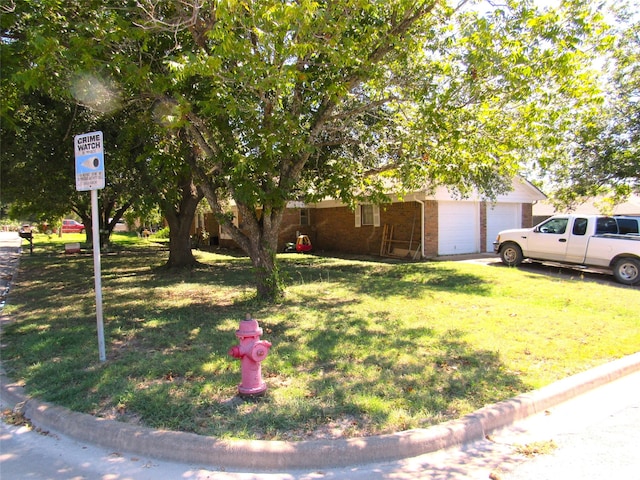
x=286 y=100
x=38 y=171
x=171 y=186
x=55 y=85
x=289 y=100
x=39 y=116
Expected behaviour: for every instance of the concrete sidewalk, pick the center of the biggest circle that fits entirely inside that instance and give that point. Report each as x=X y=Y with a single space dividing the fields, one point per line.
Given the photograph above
x=283 y=456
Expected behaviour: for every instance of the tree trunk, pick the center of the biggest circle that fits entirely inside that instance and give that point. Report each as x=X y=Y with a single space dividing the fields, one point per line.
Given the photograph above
x=180 y=254
x=180 y=218
x=258 y=238
x=258 y=234
x=88 y=228
x=269 y=283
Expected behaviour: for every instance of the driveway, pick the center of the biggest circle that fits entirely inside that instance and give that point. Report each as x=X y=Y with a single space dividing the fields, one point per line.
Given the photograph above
x=550 y=269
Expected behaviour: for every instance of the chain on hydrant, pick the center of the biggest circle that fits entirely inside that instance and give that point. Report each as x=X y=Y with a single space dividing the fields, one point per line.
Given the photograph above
x=251 y=352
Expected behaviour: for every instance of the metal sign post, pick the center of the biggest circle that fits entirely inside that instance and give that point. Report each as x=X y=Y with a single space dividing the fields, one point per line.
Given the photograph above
x=89 y=155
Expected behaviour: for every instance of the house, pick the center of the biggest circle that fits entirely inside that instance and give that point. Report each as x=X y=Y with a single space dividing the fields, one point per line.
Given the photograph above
x=591 y=206
x=419 y=225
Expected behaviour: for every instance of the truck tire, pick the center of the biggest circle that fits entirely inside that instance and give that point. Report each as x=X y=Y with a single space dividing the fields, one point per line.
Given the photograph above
x=511 y=254
x=627 y=271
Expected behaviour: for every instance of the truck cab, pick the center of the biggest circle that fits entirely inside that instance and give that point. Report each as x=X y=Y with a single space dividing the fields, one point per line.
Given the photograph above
x=565 y=238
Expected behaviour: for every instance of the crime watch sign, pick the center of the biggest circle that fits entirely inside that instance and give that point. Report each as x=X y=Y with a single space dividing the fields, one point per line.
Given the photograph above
x=89 y=161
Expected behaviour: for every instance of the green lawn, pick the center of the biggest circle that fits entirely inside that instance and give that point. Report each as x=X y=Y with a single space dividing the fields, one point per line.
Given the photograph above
x=360 y=346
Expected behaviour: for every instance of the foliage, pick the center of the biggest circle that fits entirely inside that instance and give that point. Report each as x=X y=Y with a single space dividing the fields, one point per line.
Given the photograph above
x=30 y=170
x=603 y=158
x=309 y=99
x=282 y=101
x=162 y=233
x=72 y=91
x=38 y=172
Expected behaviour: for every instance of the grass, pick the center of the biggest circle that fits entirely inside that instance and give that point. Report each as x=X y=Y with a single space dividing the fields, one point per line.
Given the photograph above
x=360 y=346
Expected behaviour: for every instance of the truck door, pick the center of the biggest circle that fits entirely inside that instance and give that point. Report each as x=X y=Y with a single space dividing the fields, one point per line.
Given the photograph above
x=578 y=240
x=549 y=240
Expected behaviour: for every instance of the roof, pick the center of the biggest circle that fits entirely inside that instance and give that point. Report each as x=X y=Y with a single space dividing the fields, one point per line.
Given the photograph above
x=593 y=206
x=522 y=191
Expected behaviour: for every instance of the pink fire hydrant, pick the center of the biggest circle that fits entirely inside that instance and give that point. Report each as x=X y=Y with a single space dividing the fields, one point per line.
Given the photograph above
x=252 y=351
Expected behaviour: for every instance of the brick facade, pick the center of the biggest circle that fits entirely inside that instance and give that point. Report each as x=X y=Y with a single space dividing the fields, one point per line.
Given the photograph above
x=430 y=228
x=335 y=232
x=291 y=226
x=333 y=229
x=527 y=215
x=483 y=226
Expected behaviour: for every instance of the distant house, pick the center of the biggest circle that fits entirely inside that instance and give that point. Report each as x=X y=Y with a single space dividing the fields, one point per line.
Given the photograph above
x=592 y=206
x=420 y=225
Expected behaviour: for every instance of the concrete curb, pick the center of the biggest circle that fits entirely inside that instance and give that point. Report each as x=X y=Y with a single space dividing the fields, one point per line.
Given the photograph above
x=258 y=455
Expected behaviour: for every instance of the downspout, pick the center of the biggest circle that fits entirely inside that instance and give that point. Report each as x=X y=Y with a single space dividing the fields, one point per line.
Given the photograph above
x=421 y=228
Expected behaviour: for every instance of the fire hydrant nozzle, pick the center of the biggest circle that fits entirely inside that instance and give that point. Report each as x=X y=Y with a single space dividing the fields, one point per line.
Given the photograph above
x=251 y=352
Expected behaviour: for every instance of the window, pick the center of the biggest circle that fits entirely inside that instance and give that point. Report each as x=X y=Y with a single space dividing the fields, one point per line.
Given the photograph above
x=367 y=214
x=580 y=226
x=556 y=225
x=304 y=216
x=606 y=225
x=628 y=225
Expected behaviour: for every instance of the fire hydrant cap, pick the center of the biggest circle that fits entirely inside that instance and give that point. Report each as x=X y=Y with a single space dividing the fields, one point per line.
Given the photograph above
x=235 y=352
x=249 y=328
x=260 y=350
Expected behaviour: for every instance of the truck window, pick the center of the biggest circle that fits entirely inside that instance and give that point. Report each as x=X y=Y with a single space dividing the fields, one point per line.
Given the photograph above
x=580 y=226
x=556 y=225
x=627 y=225
x=606 y=225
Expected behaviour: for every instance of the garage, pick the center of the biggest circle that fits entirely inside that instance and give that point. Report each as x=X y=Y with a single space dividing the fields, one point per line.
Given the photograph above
x=458 y=228
x=501 y=216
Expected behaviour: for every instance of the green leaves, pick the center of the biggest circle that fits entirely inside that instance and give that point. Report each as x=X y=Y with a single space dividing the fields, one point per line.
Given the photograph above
x=286 y=100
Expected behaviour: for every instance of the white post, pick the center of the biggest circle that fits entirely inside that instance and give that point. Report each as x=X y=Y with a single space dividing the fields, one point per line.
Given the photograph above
x=95 y=222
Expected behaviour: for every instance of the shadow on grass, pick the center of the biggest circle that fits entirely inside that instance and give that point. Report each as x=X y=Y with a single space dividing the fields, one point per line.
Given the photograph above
x=385 y=279
x=168 y=333
x=350 y=394
x=575 y=273
x=426 y=376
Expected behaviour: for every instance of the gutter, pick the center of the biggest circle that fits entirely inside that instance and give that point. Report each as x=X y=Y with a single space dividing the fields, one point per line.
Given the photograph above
x=421 y=228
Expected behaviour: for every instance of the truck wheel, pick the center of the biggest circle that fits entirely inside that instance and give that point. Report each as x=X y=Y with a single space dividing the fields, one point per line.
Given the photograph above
x=627 y=271
x=511 y=254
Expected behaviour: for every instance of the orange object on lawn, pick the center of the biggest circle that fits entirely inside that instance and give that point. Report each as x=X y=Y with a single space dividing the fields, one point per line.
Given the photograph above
x=303 y=244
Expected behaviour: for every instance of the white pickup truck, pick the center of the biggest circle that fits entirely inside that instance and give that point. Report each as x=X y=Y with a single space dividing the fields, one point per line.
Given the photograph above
x=588 y=240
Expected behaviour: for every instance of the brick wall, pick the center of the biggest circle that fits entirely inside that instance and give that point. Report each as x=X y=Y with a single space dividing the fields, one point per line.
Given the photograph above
x=335 y=229
x=527 y=215
x=430 y=228
x=483 y=226
x=288 y=231
x=290 y=227
x=212 y=226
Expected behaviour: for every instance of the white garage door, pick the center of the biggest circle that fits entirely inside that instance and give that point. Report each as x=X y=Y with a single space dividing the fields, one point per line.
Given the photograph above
x=458 y=228
x=502 y=216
